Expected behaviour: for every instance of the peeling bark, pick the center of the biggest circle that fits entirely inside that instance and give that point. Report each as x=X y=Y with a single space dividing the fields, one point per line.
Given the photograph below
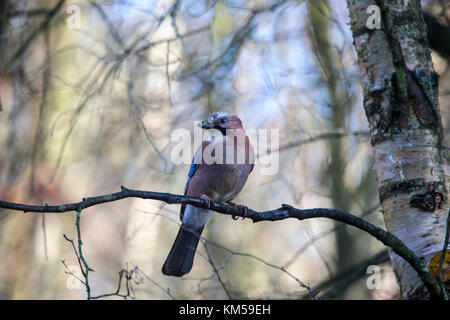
x=400 y=90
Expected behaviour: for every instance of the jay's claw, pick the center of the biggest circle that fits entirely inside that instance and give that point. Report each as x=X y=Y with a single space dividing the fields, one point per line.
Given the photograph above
x=207 y=200
x=242 y=209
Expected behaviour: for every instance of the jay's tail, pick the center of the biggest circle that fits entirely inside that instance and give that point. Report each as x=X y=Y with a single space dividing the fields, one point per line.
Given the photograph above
x=181 y=256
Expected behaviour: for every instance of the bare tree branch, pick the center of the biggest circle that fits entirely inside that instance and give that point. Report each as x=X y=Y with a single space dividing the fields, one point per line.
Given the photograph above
x=284 y=212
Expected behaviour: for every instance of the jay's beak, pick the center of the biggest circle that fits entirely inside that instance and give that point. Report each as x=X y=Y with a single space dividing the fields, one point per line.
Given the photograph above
x=206 y=124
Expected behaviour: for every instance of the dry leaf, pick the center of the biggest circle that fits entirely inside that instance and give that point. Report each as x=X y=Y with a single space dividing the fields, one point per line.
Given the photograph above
x=433 y=266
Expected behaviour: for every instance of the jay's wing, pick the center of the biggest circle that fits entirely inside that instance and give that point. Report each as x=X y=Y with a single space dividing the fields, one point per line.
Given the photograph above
x=194 y=166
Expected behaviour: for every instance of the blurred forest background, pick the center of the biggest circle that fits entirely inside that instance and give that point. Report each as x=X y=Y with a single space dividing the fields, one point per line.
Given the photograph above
x=90 y=94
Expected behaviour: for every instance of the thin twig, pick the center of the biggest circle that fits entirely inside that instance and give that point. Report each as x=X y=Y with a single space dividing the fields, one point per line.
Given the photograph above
x=216 y=271
x=128 y=276
x=79 y=254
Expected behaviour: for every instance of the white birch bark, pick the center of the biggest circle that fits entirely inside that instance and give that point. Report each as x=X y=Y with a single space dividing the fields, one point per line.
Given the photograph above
x=401 y=103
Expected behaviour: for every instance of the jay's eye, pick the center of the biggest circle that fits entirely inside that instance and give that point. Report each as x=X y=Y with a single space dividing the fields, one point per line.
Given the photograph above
x=223 y=120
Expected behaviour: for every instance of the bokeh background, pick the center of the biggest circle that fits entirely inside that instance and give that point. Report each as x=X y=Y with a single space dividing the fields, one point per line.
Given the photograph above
x=91 y=92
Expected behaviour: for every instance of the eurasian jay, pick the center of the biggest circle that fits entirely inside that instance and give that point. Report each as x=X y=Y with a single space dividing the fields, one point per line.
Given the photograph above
x=219 y=179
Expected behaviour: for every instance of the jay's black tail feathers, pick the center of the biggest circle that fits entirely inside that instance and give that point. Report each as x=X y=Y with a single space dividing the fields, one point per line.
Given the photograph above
x=181 y=256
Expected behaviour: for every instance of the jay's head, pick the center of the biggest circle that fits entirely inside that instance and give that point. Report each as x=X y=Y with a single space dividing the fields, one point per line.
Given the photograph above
x=222 y=121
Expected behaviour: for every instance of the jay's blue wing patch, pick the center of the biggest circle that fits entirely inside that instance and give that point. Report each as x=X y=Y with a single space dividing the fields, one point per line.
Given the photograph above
x=192 y=170
x=191 y=173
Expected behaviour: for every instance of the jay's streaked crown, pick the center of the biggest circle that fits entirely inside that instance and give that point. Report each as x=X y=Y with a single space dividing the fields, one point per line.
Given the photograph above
x=221 y=121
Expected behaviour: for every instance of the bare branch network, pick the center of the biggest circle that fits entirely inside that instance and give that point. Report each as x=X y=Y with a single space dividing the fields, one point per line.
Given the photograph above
x=284 y=212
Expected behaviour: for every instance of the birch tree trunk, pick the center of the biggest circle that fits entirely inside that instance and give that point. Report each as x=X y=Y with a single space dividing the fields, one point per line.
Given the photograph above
x=400 y=90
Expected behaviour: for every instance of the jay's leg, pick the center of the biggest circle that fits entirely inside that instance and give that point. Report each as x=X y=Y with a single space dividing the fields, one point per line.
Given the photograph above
x=243 y=209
